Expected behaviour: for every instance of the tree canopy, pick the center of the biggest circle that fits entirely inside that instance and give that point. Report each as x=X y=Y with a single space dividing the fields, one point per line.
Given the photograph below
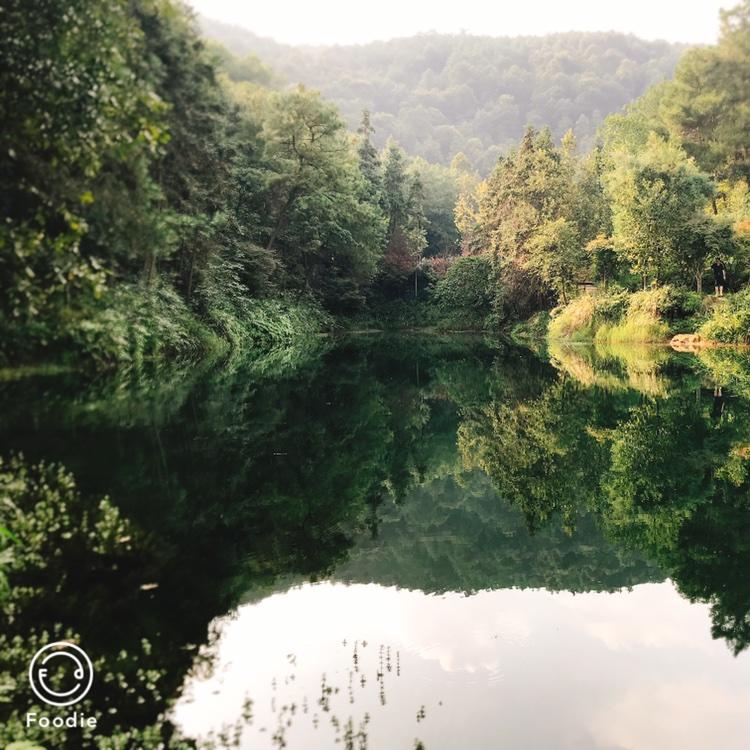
x=439 y=95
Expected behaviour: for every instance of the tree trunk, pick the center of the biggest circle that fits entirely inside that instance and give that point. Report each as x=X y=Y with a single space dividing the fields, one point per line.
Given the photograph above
x=189 y=289
x=149 y=267
x=699 y=283
x=282 y=217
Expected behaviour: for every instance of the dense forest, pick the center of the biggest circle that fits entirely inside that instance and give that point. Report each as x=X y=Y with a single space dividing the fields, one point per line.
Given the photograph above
x=164 y=197
x=153 y=206
x=439 y=95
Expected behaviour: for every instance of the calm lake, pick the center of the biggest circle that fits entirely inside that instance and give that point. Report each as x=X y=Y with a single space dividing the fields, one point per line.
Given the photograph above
x=396 y=542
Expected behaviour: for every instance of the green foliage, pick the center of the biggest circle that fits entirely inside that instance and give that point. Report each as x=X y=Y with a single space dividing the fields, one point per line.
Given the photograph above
x=655 y=194
x=369 y=160
x=616 y=315
x=703 y=239
x=645 y=319
x=406 y=314
x=576 y=320
x=403 y=199
x=248 y=69
x=528 y=189
x=465 y=292
x=634 y=327
x=441 y=191
x=73 y=108
x=706 y=105
x=438 y=94
x=532 y=332
x=152 y=211
x=730 y=321
x=139 y=323
x=190 y=198
x=555 y=255
x=605 y=262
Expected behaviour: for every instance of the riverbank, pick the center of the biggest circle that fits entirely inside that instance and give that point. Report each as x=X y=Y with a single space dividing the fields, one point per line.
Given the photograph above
x=138 y=325
x=657 y=315
x=156 y=326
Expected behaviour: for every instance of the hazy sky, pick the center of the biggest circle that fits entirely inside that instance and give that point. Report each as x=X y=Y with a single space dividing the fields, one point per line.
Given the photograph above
x=350 y=22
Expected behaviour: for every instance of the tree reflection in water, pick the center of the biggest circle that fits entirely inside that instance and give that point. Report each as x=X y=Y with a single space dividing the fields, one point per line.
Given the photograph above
x=437 y=464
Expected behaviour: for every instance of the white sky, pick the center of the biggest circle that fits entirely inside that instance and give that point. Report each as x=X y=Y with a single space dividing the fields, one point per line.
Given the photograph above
x=353 y=21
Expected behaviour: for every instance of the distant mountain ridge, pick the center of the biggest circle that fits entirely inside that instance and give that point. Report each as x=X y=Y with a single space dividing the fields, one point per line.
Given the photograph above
x=439 y=94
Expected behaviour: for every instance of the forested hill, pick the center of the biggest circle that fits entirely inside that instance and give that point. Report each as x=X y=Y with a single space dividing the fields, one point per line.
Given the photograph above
x=441 y=94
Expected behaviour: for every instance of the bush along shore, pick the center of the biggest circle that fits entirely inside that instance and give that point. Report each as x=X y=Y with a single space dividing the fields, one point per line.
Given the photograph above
x=654 y=316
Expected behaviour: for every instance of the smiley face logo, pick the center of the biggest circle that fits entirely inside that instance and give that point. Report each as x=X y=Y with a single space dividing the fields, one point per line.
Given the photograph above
x=61 y=674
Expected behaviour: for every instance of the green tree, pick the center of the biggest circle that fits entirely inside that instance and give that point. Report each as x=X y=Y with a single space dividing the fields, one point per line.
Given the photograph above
x=604 y=259
x=369 y=161
x=441 y=94
x=528 y=188
x=556 y=257
x=700 y=240
x=72 y=108
x=466 y=212
x=706 y=105
x=440 y=192
x=416 y=224
x=394 y=180
x=321 y=222
x=404 y=204
x=654 y=194
x=465 y=292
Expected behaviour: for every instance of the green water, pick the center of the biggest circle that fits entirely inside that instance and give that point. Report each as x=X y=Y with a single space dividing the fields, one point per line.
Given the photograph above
x=380 y=542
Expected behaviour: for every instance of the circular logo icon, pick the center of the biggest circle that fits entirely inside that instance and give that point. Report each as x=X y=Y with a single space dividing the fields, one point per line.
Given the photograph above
x=61 y=673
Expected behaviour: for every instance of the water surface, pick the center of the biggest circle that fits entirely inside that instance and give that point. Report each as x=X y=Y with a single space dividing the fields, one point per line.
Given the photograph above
x=394 y=542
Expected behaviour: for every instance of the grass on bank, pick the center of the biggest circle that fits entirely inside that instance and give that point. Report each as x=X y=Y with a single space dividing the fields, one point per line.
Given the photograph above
x=135 y=324
x=617 y=316
x=729 y=322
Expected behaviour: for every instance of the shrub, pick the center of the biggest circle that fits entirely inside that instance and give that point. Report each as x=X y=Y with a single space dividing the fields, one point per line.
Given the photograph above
x=618 y=316
x=464 y=294
x=575 y=320
x=132 y=324
x=612 y=305
x=636 y=326
x=583 y=316
x=682 y=303
x=730 y=321
x=666 y=301
x=135 y=323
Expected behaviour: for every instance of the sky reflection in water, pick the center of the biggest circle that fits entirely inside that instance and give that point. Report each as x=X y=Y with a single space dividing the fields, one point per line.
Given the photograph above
x=508 y=668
